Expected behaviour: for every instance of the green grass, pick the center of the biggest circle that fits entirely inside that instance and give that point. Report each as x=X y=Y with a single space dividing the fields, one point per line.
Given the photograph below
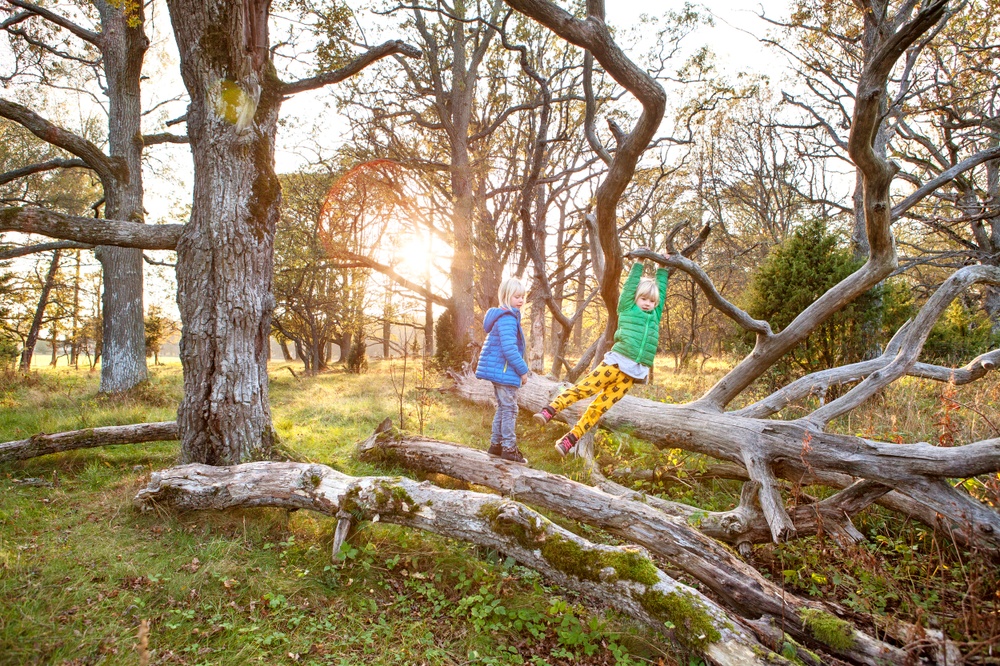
x=80 y=569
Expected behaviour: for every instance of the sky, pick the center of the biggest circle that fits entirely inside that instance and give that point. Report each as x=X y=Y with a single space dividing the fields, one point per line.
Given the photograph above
x=168 y=172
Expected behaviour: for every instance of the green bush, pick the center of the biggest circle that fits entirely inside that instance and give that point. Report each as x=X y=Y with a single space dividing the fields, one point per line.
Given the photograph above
x=795 y=275
x=962 y=333
x=449 y=353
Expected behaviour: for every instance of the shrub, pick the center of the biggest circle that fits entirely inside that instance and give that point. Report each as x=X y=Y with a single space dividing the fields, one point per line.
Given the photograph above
x=796 y=274
x=449 y=352
x=357 y=357
x=962 y=333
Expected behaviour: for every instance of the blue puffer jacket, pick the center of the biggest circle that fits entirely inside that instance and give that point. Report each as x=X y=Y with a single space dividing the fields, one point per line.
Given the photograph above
x=502 y=358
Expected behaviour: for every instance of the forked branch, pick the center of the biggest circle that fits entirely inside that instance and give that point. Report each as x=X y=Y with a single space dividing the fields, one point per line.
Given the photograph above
x=912 y=343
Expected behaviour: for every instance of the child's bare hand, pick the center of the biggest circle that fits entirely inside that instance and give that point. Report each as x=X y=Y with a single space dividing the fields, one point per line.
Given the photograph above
x=524 y=379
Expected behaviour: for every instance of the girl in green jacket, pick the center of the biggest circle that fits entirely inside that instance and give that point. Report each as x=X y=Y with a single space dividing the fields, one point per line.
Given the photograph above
x=640 y=307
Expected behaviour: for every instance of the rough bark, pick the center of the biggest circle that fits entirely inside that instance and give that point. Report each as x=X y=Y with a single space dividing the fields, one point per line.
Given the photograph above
x=739 y=586
x=87 y=230
x=225 y=252
x=123 y=47
x=625 y=579
x=42 y=444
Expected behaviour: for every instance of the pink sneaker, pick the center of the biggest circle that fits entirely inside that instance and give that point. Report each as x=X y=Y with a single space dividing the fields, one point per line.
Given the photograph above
x=566 y=444
x=544 y=416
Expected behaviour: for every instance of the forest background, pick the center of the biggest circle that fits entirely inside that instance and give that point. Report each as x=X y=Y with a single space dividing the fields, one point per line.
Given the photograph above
x=395 y=235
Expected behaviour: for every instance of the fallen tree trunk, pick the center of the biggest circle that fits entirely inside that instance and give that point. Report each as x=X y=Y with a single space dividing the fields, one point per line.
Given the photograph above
x=42 y=444
x=797 y=450
x=757 y=600
x=626 y=579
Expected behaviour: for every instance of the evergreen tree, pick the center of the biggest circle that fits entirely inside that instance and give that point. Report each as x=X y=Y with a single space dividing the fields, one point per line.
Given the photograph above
x=796 y=273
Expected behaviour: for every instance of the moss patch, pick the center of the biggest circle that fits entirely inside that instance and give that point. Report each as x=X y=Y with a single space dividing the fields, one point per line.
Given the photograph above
x=693 y=626
x=570 y=557
x=828 y=629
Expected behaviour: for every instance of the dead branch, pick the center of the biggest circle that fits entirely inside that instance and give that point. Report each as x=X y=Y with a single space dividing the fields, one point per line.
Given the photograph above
x=671 y=537
x=42 y=444
x=796 y=449
x=626 y=579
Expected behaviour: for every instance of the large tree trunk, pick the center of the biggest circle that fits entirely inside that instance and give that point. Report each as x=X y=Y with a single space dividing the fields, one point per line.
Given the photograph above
x=225 y=253
x=123 y=358
x=628 y=580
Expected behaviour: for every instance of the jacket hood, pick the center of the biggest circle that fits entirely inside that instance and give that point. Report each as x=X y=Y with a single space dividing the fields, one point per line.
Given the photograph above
x=493 y=316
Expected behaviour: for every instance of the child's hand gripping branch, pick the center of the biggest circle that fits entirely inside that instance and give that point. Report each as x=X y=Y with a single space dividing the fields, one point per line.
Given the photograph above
x=640 y=307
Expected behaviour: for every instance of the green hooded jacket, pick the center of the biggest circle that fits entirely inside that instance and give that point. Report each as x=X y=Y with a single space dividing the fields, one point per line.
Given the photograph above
x=639 y=332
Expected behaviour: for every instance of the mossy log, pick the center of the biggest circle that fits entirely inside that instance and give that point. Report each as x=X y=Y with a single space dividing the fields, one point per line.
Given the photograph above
x=739 y=586
x=625 y=579
x=42 y=444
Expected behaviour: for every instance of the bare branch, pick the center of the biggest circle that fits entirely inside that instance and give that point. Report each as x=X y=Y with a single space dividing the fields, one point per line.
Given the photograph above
x=105 y=167
x=760 y=327
x=89 y=230
x=164 y=137
x=352 y=68
x=945 y=176
x=43 y=247
x=38 y=168
x=87 y=35
x=912 y=343
x=42 y=444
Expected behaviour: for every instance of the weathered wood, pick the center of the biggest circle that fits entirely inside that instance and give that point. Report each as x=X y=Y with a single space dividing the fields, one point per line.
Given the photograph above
x=796 y=449
x=740 y=586
x=42 y=444
x=625 y=579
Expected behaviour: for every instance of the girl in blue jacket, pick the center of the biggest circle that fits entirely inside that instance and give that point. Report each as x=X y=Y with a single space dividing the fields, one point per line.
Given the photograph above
x=502 y=362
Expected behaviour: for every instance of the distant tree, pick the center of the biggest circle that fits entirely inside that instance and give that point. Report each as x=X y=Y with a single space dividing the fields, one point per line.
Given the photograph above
x=9 y=342
x=158 y=327
x=92 y=47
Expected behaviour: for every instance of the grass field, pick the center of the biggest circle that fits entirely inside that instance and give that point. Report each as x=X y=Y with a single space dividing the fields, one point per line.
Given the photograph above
x=82 y=574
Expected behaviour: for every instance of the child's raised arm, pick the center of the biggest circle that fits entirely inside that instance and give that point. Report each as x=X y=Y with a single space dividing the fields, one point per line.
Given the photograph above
x=661 y=281
x=627 y=297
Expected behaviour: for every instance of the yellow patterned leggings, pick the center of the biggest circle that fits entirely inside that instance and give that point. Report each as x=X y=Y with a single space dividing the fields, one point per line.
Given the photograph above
x=609 y=381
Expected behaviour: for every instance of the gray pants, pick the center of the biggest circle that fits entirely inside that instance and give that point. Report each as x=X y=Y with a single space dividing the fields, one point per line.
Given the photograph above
x=506 y=416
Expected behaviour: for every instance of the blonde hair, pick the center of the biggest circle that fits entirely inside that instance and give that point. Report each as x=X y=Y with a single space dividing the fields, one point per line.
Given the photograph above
x=509 y=288
x=648 y=288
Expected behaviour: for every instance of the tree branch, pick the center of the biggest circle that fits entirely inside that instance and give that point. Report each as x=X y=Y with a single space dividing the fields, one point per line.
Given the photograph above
x=87 y=35
x=43 y=247
x=944 y=177
x=352 y=68
x=38 y=168
x=760 y=327
x=911 y=345
x=164 y=137
x=89 y=230
x=106 y=168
